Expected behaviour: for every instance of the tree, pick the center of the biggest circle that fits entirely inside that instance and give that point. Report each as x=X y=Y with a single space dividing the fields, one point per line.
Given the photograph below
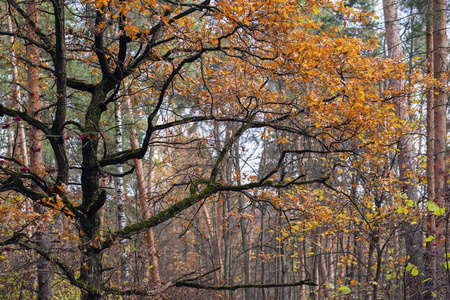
x=440 y=128
x=430 y=259
x=248 y=67
x=143 y=191
x=413 y=236
x=36 y=146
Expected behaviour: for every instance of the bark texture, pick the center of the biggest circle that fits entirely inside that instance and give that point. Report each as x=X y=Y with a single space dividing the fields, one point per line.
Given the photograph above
x=119 y=192
x=430 y=258
x=440 y=126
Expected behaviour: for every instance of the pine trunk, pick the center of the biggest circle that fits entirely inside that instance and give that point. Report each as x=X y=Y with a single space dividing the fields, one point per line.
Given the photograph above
x=145 y=194
x=430 y=258
x=36 y=160
x=440 y=126
x=413 y=237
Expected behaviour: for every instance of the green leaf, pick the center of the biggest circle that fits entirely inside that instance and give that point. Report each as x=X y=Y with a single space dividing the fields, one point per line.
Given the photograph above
x=432 y=206
x=346 y=290
x=403 y=210
x=414 y=272
x=446 y=265
x=429 y=239
x=446 y=255
x=409 y=267
x=440 y=212
x=331 y=286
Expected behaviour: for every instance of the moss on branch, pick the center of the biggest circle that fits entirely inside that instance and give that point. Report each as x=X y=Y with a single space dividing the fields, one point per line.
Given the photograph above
x=242 y=286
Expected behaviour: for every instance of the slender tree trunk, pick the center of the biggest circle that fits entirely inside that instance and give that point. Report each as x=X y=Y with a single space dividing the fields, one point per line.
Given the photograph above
x=217 y=221
x=440 y=126
x=313 y=291
x=213 y=241
x=413 y=237
x=248 y=295
x=323 y=275
x=281 y=259
x=215 y=251
x=36 y=159
x=331 y=262
x=223 y=217
x=17 y=102
x=262 y=244
x=227 y=238
x=430 y=258
x=218 y=206
x=150 y=272
x=119 y=192
x=19 y=147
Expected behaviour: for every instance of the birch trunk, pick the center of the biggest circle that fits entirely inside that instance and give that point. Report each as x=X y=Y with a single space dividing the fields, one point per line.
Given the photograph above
x=119 y=192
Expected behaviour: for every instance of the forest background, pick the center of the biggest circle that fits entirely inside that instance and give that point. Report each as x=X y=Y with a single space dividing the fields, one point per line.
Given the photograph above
x=241 y=149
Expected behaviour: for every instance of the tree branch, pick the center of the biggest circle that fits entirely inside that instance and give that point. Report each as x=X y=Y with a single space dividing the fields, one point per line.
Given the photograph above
x=26 y=117
x=195 y=197
x=184 y=283
x=80 y=85
x=67 y=270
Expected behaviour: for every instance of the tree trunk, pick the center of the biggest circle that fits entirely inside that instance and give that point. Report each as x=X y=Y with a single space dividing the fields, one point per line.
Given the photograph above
x=248 y=295
x=218 y=206
x=440 y=125
x=119 y=192
x=213 y=242
x=93 y=196
x=261 y=249
x=413 y=238
x=430 y=258
x=145 y=192
x=20 y=146
x=226 y=219
x=36 y=160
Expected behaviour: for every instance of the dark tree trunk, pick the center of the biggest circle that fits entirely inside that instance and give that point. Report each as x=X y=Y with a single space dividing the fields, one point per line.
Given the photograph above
x=93 y=197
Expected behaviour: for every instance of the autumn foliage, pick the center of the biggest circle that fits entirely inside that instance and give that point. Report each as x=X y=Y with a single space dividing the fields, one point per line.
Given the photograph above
x=268 y=139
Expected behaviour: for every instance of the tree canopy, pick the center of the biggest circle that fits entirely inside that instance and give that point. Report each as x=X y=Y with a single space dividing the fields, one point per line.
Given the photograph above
x=254 y=119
